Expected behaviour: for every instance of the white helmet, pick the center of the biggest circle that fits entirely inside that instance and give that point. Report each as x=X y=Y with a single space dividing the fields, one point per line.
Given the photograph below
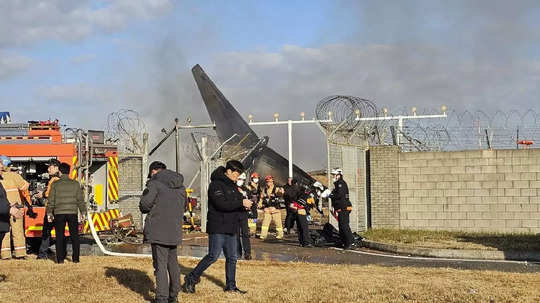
x=318 y=185
x=242 y=176
x=337 y=171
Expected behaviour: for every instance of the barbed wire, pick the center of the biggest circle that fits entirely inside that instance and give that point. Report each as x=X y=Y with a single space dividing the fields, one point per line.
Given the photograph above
x=125 y=127
x=461 y=130
x=472 y=130
x=343 y=111
x=192 y=148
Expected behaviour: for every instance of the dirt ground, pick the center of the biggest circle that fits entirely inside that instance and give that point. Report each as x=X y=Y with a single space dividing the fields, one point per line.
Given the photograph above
x=114 y=279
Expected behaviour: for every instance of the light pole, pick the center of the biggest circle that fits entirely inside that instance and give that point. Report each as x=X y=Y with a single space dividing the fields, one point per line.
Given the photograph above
x=290 y=124
x=400 y=118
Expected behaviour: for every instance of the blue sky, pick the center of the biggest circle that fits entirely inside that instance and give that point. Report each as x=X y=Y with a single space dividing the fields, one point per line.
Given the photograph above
x=266 y=26
x=80 y=60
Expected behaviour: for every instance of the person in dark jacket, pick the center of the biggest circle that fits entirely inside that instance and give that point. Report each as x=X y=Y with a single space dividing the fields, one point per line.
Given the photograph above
x=5 y=209
x=226 y=205
x=54 y=174
x=290 y=196
x=253 y=194
x=342 y=205
x=163 y=201
x=244 y=243
x=65 y=198
x=299 y=211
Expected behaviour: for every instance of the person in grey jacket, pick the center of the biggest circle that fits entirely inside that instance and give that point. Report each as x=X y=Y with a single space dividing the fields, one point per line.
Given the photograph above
x=163 y=201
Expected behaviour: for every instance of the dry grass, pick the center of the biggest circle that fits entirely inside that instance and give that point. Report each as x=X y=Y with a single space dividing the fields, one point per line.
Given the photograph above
x=111 y=279
x=455 y=240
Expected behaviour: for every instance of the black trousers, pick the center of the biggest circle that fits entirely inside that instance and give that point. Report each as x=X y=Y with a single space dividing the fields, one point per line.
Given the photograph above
x=303 y=230
x=167 y=271
x=45 y=237
x=243 y=238
x=60 y=226
x=290 y=218
x=344 y=228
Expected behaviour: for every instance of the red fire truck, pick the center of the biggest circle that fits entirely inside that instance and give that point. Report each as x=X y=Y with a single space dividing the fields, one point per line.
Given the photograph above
x=94 y=163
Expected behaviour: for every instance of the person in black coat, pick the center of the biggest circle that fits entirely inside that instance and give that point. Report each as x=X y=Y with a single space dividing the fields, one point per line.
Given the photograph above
x=4 y=213
x=342 y=205
x=163 y=201
x=291 y=195
x=244 y=243
x=226 y=207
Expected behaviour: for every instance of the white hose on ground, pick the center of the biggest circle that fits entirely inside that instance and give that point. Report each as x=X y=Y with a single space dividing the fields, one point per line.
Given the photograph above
x=117 y=254
x=102 y=248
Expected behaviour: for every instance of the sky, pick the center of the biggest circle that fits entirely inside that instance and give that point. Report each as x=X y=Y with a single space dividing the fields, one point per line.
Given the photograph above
x=78 y=61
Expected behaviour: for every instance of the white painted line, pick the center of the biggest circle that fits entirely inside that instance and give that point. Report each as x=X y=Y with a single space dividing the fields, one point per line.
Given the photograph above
x=431 y=258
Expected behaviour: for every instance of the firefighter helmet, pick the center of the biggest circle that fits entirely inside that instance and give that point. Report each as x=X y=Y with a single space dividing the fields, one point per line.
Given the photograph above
x=6 y=161
x=254 y=175
x=337 y=171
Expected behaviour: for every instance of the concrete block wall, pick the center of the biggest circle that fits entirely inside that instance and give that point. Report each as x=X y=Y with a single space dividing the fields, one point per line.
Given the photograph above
x=130 y=173
x=130 y=183
x=384 y=180
x=474 y=191
x=481 y=190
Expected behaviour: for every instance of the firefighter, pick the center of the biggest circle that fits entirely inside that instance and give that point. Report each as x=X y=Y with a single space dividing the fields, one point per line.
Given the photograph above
x=342 y=205
x=254 y=193
x=244 y=244
x=299 y=208
x=13 y=184
x=270 y=203
x=54 y=174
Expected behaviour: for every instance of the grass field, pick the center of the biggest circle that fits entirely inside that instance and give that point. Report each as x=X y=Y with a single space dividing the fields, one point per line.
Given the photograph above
x=112 y=279
x=455 y=240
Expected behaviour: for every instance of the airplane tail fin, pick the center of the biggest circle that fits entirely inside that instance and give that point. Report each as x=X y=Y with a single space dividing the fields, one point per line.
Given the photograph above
x=227 y=120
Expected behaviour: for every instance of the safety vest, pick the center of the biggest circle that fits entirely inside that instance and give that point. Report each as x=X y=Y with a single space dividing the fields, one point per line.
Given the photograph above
x=48 y=191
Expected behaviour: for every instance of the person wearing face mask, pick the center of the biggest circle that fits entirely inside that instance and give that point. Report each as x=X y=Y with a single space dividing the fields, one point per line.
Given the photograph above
x=270 y=203
x=254 y=193
x=243 y=235
x=342 y=205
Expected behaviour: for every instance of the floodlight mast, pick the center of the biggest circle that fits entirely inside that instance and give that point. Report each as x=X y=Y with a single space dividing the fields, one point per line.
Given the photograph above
x=400 y=118
x=290 y=124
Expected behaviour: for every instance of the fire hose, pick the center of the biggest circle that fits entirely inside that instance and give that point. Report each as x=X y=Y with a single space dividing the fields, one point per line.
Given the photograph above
x=112 y=253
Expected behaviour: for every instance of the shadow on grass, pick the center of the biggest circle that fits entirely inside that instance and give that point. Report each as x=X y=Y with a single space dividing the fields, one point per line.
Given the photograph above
x=139 y=281
x=186 y=270
x=134 y=279
x=510 y=242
